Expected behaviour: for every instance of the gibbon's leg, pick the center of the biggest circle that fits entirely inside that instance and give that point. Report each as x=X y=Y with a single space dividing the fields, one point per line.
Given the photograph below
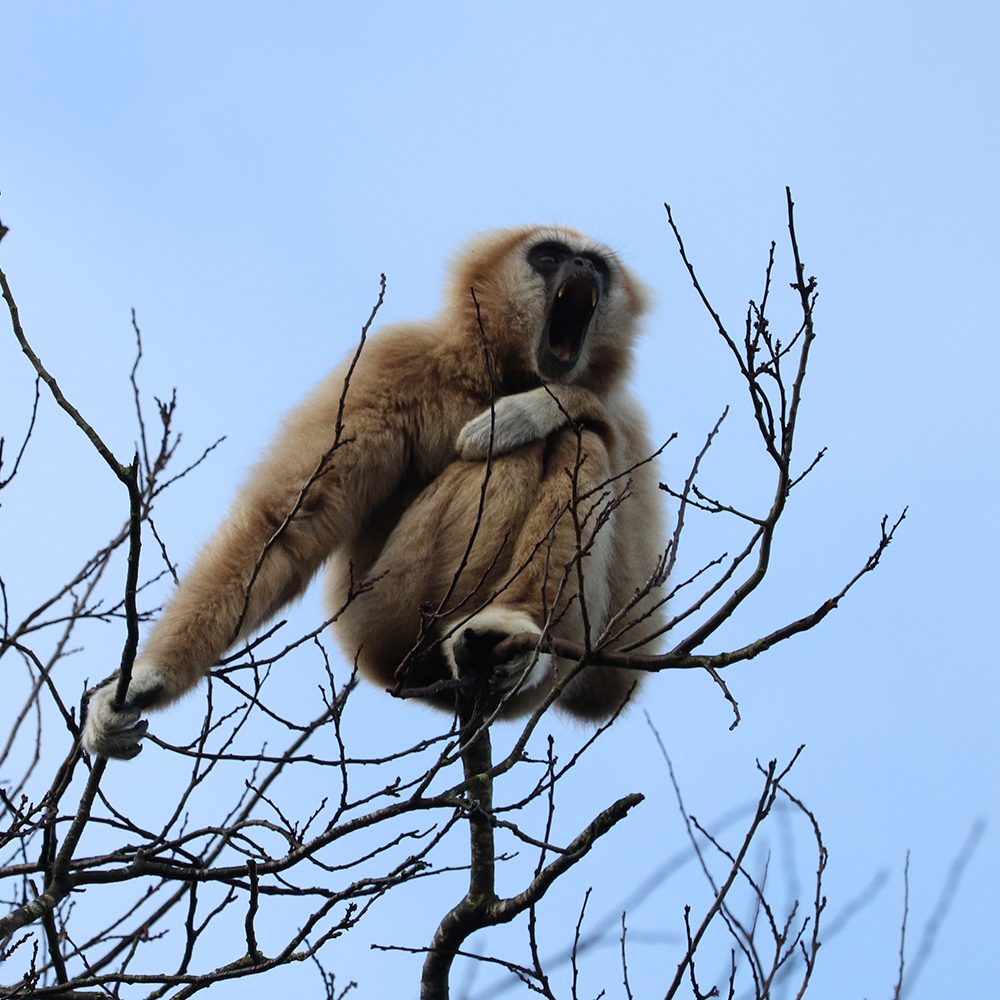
x=216 y=603
x=441 y=556
x=417 y=564
x=552 y=551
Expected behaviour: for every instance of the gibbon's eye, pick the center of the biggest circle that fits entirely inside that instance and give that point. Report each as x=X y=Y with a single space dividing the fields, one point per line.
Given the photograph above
x=546 y=257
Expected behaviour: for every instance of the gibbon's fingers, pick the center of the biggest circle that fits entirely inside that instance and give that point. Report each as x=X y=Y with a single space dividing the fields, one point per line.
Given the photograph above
x=470 y=649
x=521 y=673
x=111 y=732
x=108 y=733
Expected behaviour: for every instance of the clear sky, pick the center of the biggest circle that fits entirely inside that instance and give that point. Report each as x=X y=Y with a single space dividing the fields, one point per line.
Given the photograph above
x=241 y=173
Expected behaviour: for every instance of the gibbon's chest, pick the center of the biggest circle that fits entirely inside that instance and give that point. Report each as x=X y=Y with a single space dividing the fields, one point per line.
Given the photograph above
x=434 y=433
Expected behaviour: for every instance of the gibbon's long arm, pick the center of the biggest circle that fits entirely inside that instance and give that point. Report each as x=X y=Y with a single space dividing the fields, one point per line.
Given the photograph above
x=215 y=602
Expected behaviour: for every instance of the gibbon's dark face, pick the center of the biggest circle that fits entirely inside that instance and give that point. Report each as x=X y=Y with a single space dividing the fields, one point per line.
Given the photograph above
x=575 y=285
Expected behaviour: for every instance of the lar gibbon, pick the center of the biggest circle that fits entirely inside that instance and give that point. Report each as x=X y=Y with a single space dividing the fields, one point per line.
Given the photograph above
x=401 y=501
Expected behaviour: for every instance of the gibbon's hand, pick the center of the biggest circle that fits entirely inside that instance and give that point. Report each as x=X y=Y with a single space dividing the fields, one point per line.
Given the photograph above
x=470 y=648
x=521 y=418
x=111 y=732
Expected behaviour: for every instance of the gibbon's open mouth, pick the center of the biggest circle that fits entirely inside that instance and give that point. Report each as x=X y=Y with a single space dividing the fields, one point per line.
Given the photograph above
x=569 y=317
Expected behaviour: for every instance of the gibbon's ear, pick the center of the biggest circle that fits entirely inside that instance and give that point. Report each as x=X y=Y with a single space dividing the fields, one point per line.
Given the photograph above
x=111 y=732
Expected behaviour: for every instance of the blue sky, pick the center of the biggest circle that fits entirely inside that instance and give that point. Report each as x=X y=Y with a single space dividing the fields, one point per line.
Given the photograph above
x=242 y=173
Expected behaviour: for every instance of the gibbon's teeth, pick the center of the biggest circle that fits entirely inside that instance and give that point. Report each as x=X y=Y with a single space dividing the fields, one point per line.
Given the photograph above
x=562 y=289
x=593 y=297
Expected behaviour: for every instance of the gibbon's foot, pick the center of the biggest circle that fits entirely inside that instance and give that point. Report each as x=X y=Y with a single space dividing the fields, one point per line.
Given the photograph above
x=111 y=732
x=470 y=650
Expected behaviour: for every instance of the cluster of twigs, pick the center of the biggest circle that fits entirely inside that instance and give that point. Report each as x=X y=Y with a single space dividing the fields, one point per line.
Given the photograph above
x=764 y=362
x=171 y=899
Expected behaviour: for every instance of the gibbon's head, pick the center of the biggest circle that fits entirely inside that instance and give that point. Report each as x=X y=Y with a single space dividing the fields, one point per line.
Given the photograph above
x=555 y=304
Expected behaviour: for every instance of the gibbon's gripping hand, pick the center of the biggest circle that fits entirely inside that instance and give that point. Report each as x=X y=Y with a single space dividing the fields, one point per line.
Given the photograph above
x=111 y=732
x=470 y=649
x=520 y=419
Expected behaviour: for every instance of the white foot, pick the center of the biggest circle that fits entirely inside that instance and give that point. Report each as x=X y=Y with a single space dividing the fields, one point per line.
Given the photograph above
x=472 y=642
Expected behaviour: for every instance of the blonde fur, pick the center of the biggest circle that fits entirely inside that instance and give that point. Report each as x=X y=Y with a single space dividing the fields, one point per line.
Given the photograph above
x=397 y=505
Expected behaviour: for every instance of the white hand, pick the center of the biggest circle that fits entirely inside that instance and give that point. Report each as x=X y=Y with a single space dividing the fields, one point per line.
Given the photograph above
x=516 y=423
x=111 y=732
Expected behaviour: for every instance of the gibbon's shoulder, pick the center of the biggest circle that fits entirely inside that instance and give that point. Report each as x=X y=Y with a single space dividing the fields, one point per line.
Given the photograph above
x=391 y=357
